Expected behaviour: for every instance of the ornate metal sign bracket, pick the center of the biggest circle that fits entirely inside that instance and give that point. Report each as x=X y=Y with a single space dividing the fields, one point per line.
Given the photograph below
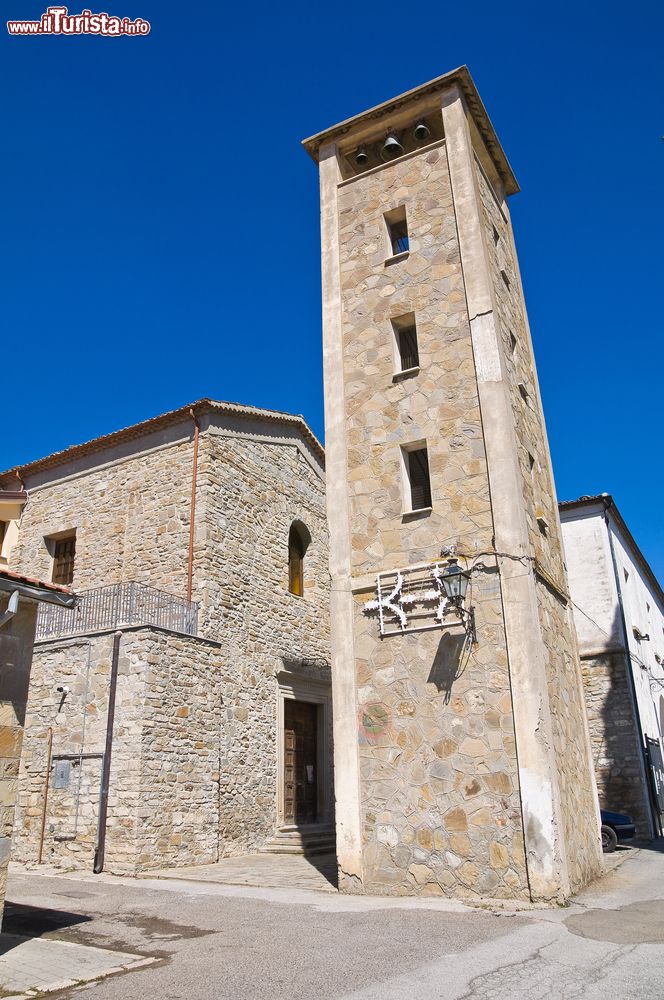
x=421 y=598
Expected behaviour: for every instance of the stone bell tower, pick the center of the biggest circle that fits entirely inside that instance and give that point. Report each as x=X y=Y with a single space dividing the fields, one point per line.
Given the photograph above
x=462 y=758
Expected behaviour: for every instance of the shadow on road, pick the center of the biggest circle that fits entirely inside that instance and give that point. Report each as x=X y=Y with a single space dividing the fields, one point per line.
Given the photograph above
x=326 y=865
x=656 y=845
x=21 y=921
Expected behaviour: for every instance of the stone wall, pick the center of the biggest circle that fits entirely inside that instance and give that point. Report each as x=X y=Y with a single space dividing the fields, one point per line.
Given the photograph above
x=440 y=799
x=16 y=639
x=194 y=770
x=77 y=719
x=614 y=736
x=440 y=404
x=571 y=763
x=130 y=512
x=164 y=779
x=194 y=765
x=473 y=401
x=254 y=491
x=438 y=771
x=182 y=765
x=533 y=450
x=577 y=789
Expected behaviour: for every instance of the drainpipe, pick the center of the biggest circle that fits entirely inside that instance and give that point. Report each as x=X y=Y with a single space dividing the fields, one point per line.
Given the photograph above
x=608 y=503
x=47 y=775
x=100 y=846
x=192 y=518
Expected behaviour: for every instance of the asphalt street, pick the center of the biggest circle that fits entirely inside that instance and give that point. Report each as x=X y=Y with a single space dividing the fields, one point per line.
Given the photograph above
x=224 y=941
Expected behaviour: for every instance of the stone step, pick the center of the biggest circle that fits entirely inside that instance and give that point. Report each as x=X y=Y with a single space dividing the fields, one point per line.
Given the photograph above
x=307 y=842
x=312 y=850
x=302 y=840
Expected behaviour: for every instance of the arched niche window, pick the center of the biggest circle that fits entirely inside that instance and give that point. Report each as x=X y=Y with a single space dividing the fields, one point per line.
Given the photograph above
x=298 y=543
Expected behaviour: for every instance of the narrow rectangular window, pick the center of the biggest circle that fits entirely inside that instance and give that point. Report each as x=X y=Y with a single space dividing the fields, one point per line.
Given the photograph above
x=405 y=334
x=64 y=553
x=397 y=231
x=417 y=470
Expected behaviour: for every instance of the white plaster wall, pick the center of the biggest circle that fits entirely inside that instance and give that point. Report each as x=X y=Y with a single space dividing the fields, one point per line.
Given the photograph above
x=591 y=579
x=643 y=610
x=594 y=590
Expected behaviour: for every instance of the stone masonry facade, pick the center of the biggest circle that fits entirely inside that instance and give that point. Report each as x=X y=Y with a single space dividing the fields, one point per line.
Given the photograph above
x=612 y=726
x=472 y=776
x=441 y=812
x=194 y=772
x=565 y=691
x=165 y=765
x=16 y=639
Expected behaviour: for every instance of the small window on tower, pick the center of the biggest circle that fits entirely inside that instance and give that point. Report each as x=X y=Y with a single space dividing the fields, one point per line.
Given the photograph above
x=64 y=554
x=405 y=335
x=416 y=468
x=397 y=231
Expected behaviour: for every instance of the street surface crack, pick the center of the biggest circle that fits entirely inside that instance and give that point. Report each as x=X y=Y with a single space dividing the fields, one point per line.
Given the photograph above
x=540 y=977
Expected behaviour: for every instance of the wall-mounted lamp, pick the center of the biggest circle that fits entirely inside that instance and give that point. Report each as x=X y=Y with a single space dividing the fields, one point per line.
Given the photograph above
x=455 y=584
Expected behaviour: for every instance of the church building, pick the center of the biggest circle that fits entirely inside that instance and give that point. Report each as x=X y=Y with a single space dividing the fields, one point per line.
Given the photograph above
x=182 y=712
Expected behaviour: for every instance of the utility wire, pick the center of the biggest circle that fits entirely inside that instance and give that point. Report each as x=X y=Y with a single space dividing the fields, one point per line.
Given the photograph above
x=525 y=560
x=636 y=659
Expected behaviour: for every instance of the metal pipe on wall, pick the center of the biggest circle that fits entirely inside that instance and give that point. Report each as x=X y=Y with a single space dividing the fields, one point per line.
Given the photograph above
x=192 y=516
x=100 y=847
x=45 y=802
x=82 y=749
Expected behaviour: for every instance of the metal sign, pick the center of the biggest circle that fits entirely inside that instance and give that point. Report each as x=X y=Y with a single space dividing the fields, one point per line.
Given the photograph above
x=62 y=774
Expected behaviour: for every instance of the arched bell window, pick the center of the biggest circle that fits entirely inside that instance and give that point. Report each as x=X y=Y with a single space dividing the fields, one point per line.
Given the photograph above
x=298 y=543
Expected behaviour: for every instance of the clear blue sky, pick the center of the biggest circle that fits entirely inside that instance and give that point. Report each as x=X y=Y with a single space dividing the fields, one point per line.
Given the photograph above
x=160 y=220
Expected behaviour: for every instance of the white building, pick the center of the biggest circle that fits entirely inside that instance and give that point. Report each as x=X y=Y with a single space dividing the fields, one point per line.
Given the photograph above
x=619 y=613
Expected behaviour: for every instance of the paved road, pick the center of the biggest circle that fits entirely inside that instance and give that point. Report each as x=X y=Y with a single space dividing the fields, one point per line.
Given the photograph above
x=224 y=941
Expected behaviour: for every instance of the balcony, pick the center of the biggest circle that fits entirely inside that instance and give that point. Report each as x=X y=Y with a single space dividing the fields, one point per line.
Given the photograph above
x=118 y=606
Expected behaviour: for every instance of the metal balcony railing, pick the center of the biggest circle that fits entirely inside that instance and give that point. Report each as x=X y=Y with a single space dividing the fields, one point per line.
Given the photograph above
x=115 y=606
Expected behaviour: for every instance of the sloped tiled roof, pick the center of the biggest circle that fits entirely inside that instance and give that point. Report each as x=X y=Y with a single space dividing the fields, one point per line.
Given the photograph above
x=200 y=407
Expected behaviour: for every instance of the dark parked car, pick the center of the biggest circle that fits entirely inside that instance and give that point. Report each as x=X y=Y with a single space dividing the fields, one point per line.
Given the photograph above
x=615 y=827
